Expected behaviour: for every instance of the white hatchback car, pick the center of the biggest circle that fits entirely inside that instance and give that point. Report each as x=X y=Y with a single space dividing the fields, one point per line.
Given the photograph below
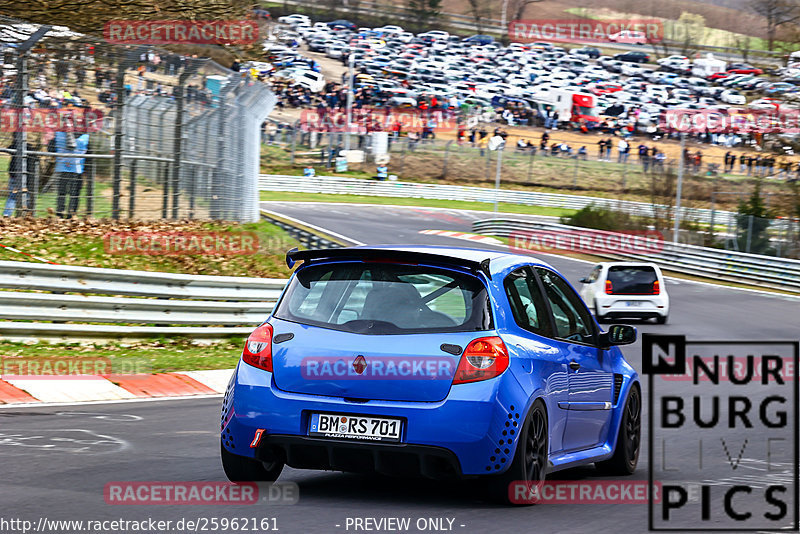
x=626 y=289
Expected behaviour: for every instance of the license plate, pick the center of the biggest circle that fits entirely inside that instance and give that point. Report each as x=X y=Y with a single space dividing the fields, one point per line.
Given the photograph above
x=633 y=303
x=356 y=427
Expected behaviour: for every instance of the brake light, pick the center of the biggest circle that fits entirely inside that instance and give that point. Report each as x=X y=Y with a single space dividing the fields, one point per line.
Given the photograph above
x=484 y=358
x=609 y=288
x=656 y=288
x=258 y=348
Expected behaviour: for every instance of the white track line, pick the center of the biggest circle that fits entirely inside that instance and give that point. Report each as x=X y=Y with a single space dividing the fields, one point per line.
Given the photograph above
x=314 y=227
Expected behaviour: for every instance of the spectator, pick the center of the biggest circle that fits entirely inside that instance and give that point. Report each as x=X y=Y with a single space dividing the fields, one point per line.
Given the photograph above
x=483 y=142
x=582 y=153
x=622 y=151
x=383 y=172
x=70 y=172
x=601 y=149
x=660 y=158
x=730 y=159
x=309 y=171
x=644 y=156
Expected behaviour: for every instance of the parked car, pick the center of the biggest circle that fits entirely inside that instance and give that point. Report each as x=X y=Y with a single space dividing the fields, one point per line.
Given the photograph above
x=586 y=51
x=626 y=289
x=431 y=361
x=744 y=68
x=633 y=57
x=295 y=19
x=628 y=37
x=479 y=39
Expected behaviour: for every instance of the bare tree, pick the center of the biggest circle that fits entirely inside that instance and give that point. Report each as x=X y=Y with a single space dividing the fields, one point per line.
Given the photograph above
x=776 y=13
x=516 y=8
x=480 y=10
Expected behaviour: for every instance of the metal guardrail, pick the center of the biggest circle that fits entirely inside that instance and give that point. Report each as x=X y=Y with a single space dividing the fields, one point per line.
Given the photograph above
x=151 y=303
x=92 y=280
x=149 y=298
x=354 y=186
x=731 y=266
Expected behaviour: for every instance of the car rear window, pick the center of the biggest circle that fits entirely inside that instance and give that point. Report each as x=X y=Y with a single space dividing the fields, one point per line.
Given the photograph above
x=631 y=280
x=386 y=298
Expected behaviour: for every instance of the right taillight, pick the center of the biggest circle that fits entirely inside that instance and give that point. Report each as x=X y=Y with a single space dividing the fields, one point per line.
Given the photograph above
x=484 y=358
x=609 y=288
x=258 y=348
x=656 y=288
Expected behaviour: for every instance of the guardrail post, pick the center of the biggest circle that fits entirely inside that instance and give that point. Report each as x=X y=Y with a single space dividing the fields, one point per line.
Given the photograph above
x=446 y=152
x=90 y=187
x=192 y=187
x=132 y=190
x=749 y=233
x=575 y=175
x=165 y=195
x=530 y=164
x=294 y=143
x=118 y=108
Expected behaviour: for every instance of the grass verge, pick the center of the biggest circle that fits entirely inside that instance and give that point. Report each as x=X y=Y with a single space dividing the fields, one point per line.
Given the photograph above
x=83 y=243
x=159 y=356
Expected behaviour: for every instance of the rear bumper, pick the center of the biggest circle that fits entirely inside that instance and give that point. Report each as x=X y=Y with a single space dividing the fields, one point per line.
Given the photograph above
x=646 y=306
x=472 y=432
x=393 y=459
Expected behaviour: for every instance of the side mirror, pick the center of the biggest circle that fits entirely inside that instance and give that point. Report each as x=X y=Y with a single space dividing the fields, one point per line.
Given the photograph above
x=618 y=334
x=584 y=280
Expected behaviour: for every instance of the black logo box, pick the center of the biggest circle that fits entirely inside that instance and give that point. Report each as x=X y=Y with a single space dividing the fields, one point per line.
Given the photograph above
x=678 y=367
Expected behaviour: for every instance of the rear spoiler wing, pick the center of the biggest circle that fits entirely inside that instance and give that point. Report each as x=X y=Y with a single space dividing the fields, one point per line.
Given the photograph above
x=366 y=254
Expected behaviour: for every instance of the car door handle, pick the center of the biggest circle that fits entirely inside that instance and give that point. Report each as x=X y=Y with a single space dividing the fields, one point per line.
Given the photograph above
x=574 y=365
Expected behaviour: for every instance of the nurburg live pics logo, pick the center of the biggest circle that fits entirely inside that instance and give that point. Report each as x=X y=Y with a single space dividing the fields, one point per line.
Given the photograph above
x=733 y=435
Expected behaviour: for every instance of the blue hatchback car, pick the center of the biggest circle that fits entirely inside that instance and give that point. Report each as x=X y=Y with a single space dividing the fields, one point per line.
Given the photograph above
x=434 y=362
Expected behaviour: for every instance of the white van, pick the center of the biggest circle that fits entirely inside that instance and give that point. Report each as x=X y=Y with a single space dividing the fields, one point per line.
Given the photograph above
x=313 y=81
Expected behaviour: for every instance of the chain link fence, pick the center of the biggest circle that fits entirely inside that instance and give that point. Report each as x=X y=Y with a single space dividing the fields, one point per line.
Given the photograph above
x=90 y=129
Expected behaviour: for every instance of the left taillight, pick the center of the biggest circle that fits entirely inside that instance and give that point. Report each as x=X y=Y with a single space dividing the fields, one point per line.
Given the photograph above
x=484 y=358
x=258 y=348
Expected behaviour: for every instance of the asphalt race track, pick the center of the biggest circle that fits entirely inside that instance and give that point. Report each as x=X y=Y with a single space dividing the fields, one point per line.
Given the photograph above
x=56 y=461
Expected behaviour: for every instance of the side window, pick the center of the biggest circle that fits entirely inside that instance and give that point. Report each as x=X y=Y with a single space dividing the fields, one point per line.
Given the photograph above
x=572 y=320
x=527 y=304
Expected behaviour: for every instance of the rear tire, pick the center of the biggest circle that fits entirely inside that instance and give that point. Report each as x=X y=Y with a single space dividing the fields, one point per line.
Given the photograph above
x=241 y=469
x=530 y=459
x=661 y=319
x=629 y=438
